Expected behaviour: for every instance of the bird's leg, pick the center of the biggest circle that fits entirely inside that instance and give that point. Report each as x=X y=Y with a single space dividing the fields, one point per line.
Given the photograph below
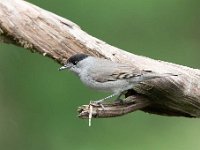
x=118 y=99
x=101 y=100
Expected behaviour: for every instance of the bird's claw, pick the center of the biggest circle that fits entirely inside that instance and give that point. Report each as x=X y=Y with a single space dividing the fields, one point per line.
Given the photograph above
x=119 y=101
x=97 y=103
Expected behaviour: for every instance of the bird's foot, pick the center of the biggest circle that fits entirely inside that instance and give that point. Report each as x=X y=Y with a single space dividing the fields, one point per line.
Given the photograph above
x=119 y=100
x=97 y=103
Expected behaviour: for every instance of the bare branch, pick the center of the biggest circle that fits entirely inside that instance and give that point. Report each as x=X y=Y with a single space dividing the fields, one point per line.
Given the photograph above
x=130 y=104
x=31 y=27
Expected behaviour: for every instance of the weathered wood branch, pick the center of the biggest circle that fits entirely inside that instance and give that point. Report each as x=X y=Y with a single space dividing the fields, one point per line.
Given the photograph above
x=132 y=103
x=31 y=27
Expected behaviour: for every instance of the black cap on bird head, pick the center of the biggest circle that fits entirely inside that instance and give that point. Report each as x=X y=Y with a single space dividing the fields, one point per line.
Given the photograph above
x=74 y=59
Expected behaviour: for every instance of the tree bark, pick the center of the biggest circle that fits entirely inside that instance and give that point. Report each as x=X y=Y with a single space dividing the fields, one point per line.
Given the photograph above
x=31 y=27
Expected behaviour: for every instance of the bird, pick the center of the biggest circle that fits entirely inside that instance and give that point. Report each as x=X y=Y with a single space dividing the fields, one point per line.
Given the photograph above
x=109 y=76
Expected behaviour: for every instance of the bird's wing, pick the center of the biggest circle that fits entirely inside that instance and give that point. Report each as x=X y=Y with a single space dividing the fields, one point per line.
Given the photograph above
x=114 y=72
x=105 y=71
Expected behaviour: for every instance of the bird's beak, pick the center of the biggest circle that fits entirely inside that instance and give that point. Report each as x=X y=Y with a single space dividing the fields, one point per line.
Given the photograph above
x=67 y=66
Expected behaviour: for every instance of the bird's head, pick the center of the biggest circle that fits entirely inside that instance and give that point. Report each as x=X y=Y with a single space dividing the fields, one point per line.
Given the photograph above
x=74 y=63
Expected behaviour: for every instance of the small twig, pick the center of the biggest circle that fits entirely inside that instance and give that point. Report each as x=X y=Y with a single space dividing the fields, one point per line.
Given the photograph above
x=114 y=109
x=90 y=113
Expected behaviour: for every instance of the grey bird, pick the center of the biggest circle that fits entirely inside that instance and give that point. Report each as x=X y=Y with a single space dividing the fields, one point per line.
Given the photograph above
x=105 y=75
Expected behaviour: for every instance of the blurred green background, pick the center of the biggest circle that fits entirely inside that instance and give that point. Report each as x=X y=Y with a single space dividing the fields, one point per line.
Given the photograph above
x=38 y=104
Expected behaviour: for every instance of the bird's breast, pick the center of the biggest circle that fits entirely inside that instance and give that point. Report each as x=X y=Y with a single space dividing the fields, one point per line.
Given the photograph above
x=110 y=86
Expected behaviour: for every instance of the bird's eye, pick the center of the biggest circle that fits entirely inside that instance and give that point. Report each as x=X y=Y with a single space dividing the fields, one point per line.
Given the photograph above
x=75 y=62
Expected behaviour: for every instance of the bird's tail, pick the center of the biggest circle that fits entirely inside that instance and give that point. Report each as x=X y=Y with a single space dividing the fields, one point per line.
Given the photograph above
x=148 y=75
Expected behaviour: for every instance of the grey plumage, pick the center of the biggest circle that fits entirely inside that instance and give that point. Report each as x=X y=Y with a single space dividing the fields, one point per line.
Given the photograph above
x=103 y=74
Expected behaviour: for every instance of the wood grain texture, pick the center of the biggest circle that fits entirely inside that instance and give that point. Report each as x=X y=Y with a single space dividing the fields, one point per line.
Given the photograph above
x=31 y=27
